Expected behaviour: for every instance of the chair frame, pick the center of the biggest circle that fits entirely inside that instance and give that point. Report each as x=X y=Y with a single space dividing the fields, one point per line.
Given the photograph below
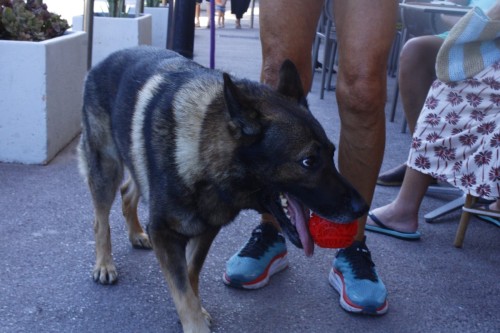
x=325 y=31
x=467 y=210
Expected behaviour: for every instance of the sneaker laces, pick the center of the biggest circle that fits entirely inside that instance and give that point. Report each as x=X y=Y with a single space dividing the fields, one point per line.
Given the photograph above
x=259 y=243
x=361 y=262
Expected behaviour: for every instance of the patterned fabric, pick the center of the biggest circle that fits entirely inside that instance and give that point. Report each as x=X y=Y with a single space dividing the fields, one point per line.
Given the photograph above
x=457 y=137
x=472 y=45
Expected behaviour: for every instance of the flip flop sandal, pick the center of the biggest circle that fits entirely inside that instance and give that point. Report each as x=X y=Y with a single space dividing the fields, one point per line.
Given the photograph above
x=381 y=228
x=489 y=219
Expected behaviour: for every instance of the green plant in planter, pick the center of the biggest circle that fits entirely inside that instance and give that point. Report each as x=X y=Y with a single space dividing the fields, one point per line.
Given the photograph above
x=153 y=3
x=116 y=8
x=29 y=21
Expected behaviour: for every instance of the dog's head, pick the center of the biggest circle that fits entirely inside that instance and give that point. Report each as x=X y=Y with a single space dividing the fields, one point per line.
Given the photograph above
x=287 y=152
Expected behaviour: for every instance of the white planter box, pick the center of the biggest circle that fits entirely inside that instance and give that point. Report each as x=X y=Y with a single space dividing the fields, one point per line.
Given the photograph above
x=115 y=33
x=160 y=25
x=40 y=96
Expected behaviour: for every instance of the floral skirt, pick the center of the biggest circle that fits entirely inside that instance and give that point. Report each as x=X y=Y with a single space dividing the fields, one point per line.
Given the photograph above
x=457 y=136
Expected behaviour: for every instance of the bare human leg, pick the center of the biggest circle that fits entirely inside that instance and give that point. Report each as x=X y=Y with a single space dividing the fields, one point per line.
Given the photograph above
x=402 y=213
x=416 y=74
x=361 y=90
x=282 y=40
x=295 y=44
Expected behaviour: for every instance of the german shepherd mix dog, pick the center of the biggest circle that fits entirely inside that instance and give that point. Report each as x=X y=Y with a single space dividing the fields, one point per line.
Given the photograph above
x=200 y=146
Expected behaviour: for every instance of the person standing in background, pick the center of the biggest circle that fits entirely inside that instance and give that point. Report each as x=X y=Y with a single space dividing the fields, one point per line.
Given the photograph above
x=197 y=11
x=365 y=32
x=220 y=8
x=238 y=8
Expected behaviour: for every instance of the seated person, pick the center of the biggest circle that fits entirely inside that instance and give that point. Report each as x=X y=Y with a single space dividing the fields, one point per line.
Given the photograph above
x=416 y=73
x=457 y=135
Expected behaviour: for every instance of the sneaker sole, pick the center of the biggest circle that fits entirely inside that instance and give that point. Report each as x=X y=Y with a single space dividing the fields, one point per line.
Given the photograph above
x=279 y=263
x=337 y=282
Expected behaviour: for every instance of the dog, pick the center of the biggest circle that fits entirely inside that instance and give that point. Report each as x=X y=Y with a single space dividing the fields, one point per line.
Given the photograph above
x=199 y=146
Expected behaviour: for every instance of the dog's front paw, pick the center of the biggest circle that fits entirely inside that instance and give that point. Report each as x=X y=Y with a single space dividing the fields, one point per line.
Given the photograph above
x=208 y=317
x=140 y=241
x=196 y=329
x=200 y=323
x=105 y=273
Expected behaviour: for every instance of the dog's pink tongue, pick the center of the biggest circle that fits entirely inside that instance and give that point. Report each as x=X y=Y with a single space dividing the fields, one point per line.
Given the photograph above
x=300 y=218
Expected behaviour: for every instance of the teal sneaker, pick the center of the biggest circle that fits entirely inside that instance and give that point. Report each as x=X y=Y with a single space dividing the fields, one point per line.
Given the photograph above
x=262 y=256
x=353 y=275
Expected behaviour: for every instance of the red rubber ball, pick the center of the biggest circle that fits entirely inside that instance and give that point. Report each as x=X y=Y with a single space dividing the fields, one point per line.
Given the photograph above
x=329 y=234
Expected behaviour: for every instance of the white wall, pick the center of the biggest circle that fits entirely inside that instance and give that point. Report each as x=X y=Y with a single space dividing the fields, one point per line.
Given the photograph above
x=69 y=8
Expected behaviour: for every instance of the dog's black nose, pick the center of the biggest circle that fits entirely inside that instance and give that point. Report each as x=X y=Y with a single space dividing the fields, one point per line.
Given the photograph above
x=359 y=207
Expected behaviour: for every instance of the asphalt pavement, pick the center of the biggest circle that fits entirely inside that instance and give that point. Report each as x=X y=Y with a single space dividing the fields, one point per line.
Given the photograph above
x=47 y=252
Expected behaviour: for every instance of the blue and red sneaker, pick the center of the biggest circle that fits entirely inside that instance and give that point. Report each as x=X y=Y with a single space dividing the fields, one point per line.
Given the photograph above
x=353 y=275
x=262 y=256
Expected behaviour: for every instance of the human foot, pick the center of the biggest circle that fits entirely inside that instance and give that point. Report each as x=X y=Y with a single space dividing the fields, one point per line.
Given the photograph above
x=389 y=221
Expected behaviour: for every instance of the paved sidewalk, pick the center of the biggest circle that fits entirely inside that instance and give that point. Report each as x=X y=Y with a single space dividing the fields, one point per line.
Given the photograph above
x=46 y=253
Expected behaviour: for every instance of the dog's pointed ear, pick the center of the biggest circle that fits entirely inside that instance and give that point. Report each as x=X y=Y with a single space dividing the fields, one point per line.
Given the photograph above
x=244 y=119
x=289 y=82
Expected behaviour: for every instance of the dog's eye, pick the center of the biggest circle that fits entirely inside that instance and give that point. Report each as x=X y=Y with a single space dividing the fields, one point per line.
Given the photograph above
x=309 y=162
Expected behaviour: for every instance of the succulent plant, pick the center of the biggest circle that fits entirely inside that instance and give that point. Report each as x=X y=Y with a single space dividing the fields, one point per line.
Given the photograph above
x=29 y=21
x=116 y=8
x=153 y=3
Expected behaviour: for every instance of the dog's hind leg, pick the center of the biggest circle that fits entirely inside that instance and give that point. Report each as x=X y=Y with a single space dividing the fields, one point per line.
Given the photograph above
x=104 y=270
x=130 y=200
x=103 y=188
x=170 y=249
x=101 y=165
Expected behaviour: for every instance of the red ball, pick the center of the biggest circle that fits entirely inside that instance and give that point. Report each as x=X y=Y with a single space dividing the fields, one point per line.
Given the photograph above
x=329 y=234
